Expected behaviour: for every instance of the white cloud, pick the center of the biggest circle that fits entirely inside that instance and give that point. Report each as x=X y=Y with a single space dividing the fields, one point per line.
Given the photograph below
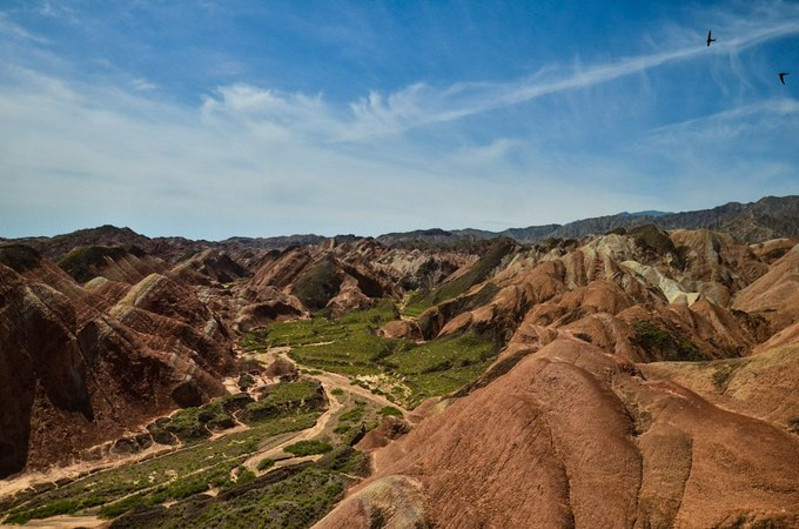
x=143 y=85
x=729 y=125
x=258 y=161
x=420 y=105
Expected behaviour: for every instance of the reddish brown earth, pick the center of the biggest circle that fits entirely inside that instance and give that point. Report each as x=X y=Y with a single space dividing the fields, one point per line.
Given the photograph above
x=644 y=380
x=93 y=357
x=579 y=423
x=77 y=371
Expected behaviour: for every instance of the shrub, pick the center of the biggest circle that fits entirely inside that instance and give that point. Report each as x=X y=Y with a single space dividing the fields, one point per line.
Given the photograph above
x=390 y=410
x=263 y=464
x=309 y=448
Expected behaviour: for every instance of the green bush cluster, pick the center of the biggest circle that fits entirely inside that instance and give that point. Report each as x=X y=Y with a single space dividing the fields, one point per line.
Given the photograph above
x=173 y=476
x=318 y=284
x=264 y=464
x=289 y=497
x=390 y=410
x=285 y=399
x=309 y=448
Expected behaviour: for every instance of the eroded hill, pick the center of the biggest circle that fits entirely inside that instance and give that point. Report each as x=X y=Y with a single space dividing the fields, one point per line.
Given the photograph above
x=642 y=378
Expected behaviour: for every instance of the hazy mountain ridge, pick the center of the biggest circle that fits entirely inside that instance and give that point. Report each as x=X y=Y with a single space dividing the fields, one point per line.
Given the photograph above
x=768 y=218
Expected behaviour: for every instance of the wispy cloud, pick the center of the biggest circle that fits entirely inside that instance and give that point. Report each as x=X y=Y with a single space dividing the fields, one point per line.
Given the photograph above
x=261 y=160
x=728 y=125
x=13 y=30
x=143 y=85
x=420 y=105
x=59 y=10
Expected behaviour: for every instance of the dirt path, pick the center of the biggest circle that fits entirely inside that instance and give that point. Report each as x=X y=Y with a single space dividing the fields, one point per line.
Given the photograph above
x=329 y=381
x=316 y=430
x=334 y=380
x=78 y=470
x=66 y=522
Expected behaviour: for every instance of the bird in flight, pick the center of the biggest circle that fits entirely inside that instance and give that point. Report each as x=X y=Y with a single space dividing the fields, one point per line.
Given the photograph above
x=782 y=76
x=709 y=38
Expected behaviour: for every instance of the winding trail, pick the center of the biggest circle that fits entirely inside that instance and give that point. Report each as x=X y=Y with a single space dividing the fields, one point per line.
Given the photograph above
x=329 y=381
x=323 y=425
x=334 y=380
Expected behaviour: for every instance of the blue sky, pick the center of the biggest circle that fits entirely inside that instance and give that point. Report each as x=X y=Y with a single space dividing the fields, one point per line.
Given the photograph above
x=217 y=118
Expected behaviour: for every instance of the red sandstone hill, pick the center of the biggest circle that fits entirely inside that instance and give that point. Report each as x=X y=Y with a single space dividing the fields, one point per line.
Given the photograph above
x=645 y=379
x=77 y=370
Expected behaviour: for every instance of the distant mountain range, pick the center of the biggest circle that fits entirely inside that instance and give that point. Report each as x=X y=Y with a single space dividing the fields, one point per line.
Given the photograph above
x=768 y=218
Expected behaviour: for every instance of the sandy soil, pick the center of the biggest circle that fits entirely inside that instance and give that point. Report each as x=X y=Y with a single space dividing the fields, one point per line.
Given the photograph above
x=65 y=522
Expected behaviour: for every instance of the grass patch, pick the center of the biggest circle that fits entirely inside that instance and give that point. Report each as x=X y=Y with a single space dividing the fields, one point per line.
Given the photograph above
x=254 y=341
x=353 y=415
x=350 y=346
x=65 y=506
x=309 y=448
x=291 y=497
x=390 y=410
x=183 y=473
x=285 y=399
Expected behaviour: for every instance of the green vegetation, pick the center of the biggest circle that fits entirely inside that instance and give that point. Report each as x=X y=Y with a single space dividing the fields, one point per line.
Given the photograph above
x=194 y=469
x=192 y=425
x=173 y=476
x=320 y=329
x=254 y=341
x=350 y=346
x=337 y=392
x=441 y=366
x=284 y=399
x=353 y=415
x=308 y=448
x=289 y=497
x=667 y=345
x=80 y=262
x=244 y=474
x=264 y=464
x=390 y=410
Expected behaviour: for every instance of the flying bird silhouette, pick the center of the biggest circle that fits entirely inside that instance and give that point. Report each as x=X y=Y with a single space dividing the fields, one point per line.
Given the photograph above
x=709 y=39
x=782 y=76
